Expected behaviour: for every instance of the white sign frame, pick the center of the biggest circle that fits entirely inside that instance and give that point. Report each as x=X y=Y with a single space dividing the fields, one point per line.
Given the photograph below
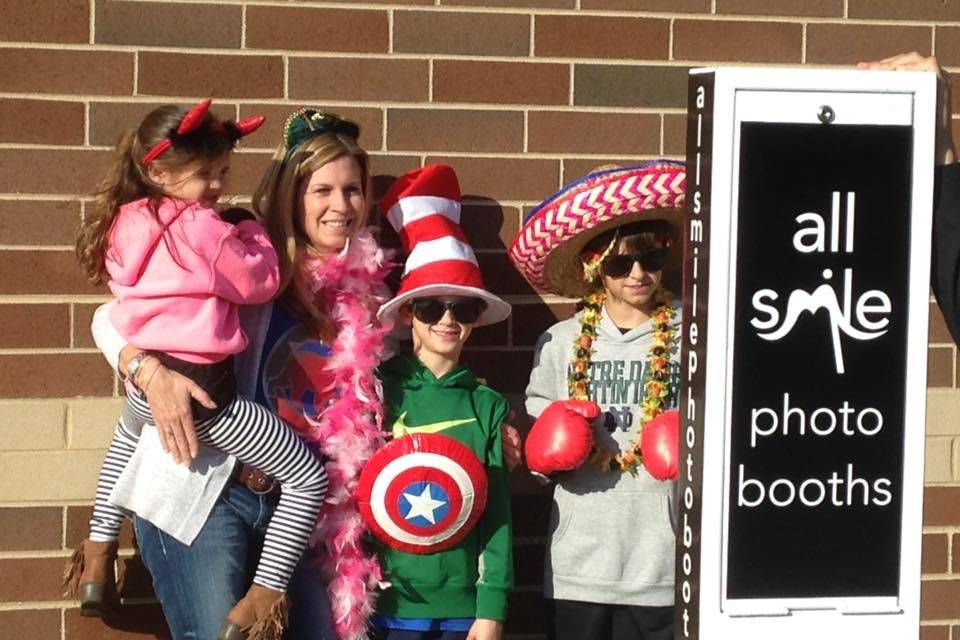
x=794 y=95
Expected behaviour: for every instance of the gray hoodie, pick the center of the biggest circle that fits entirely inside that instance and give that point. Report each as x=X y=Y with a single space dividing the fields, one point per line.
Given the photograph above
x=611 y=533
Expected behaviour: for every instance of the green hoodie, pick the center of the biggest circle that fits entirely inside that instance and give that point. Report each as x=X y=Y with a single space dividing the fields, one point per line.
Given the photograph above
x=472 y=578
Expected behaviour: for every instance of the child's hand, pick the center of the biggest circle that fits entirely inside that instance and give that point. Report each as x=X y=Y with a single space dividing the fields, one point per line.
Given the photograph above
x=512 y=446
x=483 y=629
x=945 y=152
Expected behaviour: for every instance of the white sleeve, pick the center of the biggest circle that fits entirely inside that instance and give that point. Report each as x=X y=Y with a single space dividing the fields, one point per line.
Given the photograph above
x=108 y=340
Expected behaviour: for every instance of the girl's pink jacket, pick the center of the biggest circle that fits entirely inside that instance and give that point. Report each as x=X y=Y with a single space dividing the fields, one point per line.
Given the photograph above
x=178 y=283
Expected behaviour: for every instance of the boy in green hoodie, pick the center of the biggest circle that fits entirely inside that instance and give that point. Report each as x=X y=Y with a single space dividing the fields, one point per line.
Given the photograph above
x=446 y=556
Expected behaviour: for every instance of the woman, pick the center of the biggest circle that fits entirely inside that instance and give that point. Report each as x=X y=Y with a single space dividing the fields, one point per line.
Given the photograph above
x=311 y=357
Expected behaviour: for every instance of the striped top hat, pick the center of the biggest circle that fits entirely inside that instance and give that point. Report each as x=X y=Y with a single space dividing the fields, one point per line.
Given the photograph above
x=423 y=206
x=547 y=249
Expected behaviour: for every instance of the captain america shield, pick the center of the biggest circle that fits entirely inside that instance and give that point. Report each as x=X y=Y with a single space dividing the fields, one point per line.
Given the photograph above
x=422 y=493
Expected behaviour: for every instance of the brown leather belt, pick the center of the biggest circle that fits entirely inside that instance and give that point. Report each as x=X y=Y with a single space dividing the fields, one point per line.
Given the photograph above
x=255 y=480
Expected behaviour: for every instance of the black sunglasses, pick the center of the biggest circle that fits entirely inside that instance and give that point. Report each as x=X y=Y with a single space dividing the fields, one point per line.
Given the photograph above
x=618 y=266
x=430 y=310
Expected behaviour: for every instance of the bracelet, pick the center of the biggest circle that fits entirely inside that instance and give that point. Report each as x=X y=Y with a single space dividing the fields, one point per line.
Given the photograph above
x=138 y=376
x=146 y=383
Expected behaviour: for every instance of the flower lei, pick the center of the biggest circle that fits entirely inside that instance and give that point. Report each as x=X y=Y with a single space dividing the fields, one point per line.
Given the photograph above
x=349 y=287
x=657 y=390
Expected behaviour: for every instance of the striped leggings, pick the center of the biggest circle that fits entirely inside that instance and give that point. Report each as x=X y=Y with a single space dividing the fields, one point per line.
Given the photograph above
x=256 y=437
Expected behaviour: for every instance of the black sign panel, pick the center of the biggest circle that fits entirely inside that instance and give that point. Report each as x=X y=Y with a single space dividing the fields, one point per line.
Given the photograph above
x=819 y=352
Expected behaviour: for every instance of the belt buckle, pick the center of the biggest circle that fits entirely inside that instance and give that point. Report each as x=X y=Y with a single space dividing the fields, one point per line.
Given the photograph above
x=260 y=483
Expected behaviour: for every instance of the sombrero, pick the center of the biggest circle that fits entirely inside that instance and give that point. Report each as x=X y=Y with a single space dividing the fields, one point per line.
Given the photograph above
x=547 y=249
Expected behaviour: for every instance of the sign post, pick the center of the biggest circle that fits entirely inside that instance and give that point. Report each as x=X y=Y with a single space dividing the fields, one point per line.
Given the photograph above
x=804 y=353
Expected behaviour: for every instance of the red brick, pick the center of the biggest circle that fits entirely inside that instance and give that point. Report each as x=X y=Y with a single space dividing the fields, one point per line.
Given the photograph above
x=310 y=29
x=42 y=272
x=26 y=579
x=39 y=222
x=219 y=76
x=939 y=599
x=109 y=121
x=601 y=37
x=934 y=633
x=504 y=178
x=955 y=555
x=271 y=133
x=667 y=6
x=574 y=168
x=508 y=370
x=948 y=45
x=531 y=320
x=481 y=34
x=529 y=563
x=850 y=43
x=500 y=275
x=246 y=171
x=501 y=82
x=828 y=8
x=934 y=554
x=927 y=10
x=737 y=41
x=530 y=516
x=33 y=624
x=526 y=608
x=82 y=317
x=941 y=506
x=938 y=331
x=490 y=225
x=359 y=79
x=32 y=170
x=54 y=376
x=136 y=621
x=210 y=26
x=674 y=134
x=493 y=335
x=58 y=71
x=31 y=528
x=580 y=132
x=940 y=367
x=45 y=21
x=41 y=121
x=452 y=130
x=78 y=527
x=386 y=169
x=533 y=4
x=34 y=325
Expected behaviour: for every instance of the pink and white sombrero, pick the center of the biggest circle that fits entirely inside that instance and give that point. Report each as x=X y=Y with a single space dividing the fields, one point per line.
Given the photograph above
x=423 y=206
x=547 y=249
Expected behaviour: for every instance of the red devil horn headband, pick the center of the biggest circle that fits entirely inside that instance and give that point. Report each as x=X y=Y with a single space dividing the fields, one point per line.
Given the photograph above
x=192 y=121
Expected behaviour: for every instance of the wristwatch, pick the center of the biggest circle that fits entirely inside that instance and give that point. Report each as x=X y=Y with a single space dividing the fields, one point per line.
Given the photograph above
x=135 y=364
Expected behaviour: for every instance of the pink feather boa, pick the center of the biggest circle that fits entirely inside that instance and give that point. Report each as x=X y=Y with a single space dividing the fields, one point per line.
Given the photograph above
x=349 y=287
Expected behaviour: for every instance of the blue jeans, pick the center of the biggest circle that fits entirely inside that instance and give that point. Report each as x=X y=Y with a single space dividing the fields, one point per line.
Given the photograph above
x=197 y=585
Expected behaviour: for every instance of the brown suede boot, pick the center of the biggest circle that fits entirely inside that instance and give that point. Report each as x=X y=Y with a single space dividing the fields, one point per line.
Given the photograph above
x=90 y=572
x=260 y=615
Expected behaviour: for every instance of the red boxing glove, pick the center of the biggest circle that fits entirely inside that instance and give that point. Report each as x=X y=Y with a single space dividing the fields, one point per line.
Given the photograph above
x=561 y=438
x=660 y=444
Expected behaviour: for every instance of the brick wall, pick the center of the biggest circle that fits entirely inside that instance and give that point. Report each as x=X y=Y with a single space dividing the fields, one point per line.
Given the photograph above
x=519 y=95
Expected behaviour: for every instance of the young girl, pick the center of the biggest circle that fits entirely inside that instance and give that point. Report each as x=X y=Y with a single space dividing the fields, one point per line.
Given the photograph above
x=179 y=272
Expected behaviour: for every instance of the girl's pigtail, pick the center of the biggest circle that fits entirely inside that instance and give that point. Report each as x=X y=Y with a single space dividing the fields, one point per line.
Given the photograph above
x=125 y=182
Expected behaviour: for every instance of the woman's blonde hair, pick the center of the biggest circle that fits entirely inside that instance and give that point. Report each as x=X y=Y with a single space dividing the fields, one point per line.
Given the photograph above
x=278 y=201
x=127 y=179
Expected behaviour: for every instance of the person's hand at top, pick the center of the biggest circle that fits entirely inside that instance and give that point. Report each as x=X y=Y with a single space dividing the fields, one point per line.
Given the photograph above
x=945 y=151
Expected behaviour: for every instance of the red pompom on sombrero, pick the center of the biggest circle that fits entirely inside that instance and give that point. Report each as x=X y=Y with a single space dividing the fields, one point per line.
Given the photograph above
x=547 y=249
x=423 y=206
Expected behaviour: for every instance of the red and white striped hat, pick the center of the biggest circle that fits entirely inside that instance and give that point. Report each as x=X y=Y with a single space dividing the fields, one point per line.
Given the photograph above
x=423 y=206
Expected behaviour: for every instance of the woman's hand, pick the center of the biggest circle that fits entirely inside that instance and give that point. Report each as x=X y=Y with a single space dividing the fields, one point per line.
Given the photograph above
x=484 y=629
x=512 y=446
x=945 y=151
x=169 y=394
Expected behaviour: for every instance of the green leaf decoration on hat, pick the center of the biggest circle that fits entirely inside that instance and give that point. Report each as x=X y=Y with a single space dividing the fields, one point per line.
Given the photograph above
x=307 y=123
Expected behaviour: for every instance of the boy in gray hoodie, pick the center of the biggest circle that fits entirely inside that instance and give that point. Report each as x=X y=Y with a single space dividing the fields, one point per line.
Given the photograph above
x=601 y=388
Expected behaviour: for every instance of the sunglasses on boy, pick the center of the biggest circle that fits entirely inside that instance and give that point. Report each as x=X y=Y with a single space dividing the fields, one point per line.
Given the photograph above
x=430 y=310
x=618 y=266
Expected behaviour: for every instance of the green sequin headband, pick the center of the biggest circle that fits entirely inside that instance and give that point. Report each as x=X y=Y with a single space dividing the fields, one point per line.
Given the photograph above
x=304 y=124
